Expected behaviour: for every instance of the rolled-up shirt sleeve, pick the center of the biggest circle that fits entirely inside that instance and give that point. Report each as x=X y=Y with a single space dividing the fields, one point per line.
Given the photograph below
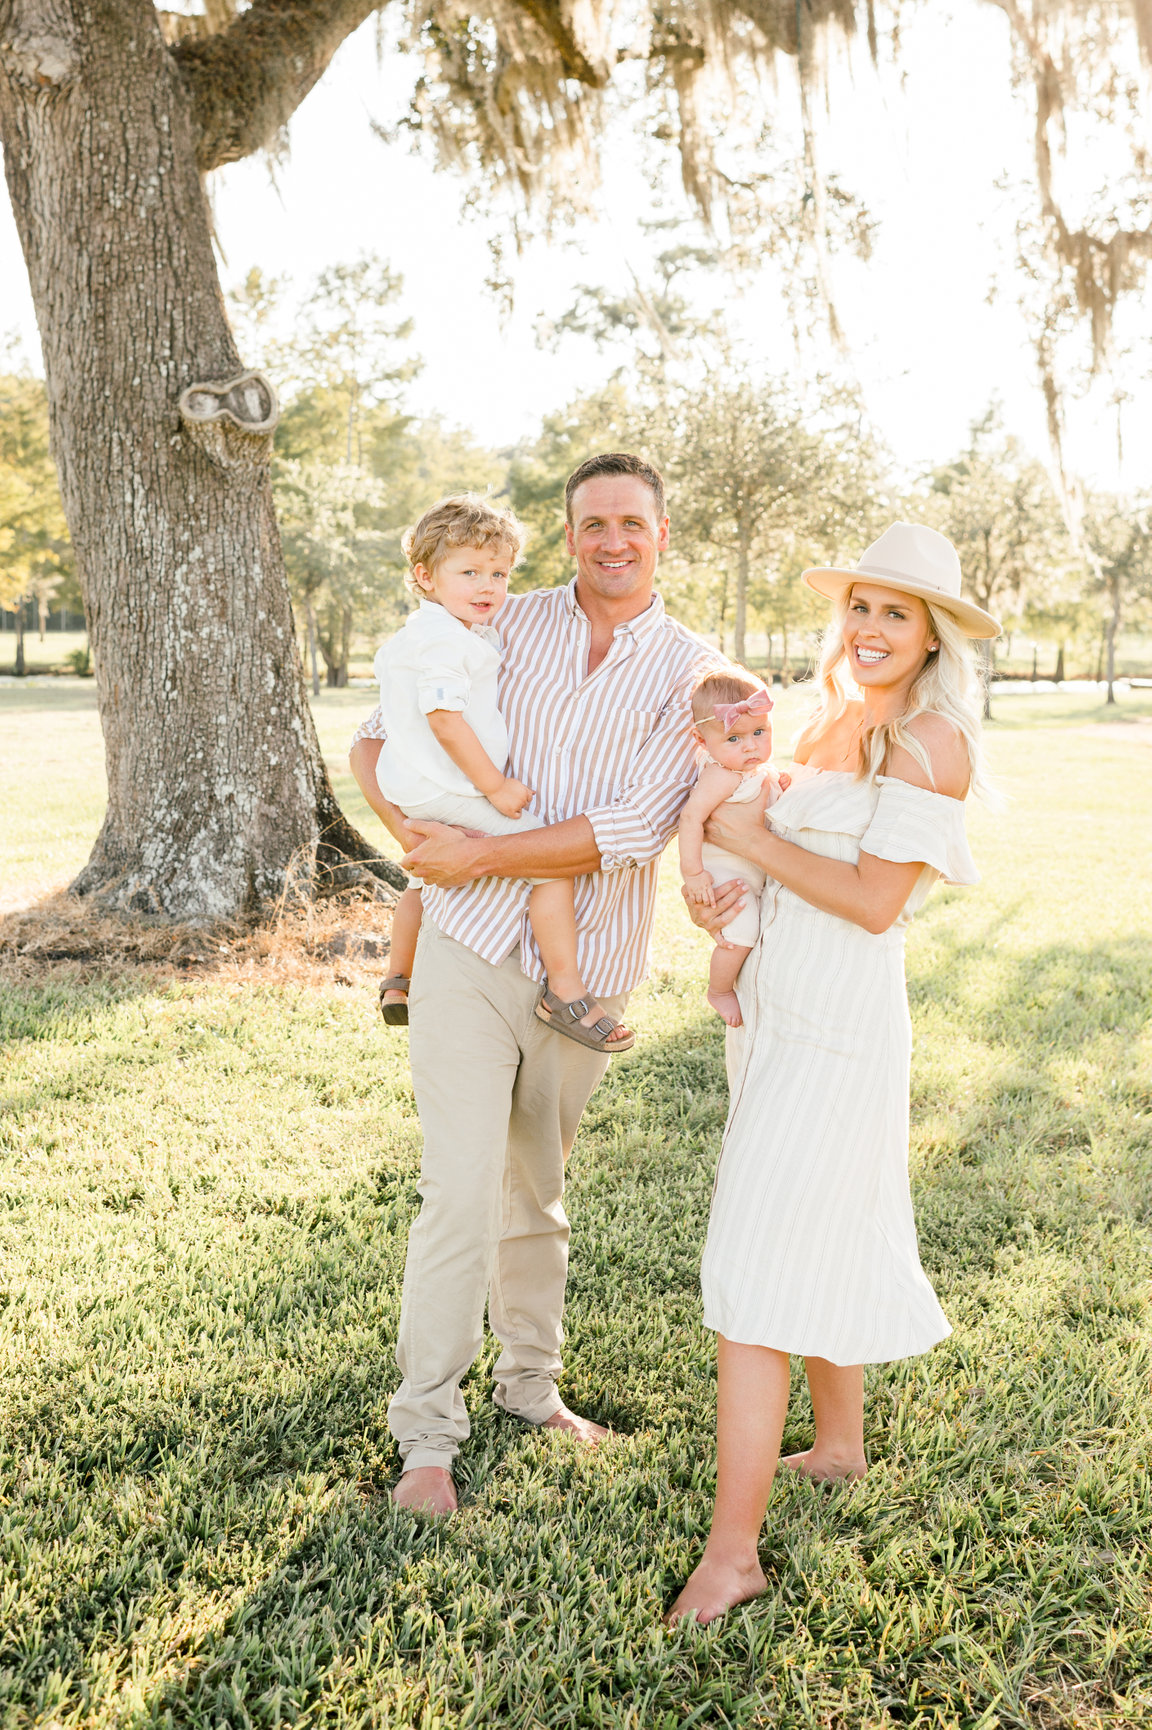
x=637 y=826
x=443 y=680
x=372 y=728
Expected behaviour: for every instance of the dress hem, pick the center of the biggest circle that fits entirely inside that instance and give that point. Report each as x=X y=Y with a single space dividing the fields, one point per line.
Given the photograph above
x=814 y=1351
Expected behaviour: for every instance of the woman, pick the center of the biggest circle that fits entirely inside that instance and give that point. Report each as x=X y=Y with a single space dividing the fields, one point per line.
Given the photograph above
x=811 y=1243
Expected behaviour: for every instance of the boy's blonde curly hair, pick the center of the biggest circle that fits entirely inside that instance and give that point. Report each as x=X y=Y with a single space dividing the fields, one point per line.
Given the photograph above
x=460 y=520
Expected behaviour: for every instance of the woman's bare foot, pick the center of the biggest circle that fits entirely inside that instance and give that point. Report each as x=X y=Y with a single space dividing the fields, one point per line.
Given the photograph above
x=715 y=1587
x=393 y=997
x=727 y=1006
x=824 y=1468
x=574 y=1425
x=426 y=1490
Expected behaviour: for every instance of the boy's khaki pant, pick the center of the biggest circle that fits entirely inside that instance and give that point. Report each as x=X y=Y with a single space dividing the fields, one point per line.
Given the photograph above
x=500 y=1099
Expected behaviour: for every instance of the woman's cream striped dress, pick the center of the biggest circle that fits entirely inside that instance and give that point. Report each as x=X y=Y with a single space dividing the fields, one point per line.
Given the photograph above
x=811 y=1243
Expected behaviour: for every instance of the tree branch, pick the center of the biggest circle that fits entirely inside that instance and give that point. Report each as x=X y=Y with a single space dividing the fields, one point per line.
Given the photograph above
x=246 y=82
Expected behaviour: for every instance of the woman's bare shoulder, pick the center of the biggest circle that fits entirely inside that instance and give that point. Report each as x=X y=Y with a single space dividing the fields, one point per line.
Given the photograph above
x=947 y=751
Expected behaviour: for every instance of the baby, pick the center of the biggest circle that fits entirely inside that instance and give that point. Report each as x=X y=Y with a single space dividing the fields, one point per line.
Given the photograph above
x=447 y=744
x=731 y=712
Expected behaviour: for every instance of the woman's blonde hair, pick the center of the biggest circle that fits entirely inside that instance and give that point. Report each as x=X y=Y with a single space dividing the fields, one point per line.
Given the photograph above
x=460 y=520
x=948 y=684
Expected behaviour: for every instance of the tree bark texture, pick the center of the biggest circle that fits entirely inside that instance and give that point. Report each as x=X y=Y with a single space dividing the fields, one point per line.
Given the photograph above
x=1111 y=628
x=740 y=622
x=217 y=791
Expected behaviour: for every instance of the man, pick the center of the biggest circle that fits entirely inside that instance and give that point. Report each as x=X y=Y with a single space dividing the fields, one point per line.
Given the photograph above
x=594 y=685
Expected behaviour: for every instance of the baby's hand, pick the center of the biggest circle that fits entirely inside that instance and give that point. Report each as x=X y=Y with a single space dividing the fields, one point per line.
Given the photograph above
x=699 y=888
x=511 y=798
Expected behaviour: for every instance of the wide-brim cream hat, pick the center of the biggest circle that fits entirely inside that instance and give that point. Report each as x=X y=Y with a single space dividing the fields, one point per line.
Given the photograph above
x=917 y=561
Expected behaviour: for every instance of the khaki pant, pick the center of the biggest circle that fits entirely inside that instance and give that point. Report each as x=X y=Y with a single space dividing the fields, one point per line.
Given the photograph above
x=500 y=1099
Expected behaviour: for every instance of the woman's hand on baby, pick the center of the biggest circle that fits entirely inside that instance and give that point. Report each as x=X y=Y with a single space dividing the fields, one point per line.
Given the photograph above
x=737 y=828
x=698 y=889
x=512 y=797
x=727 y=900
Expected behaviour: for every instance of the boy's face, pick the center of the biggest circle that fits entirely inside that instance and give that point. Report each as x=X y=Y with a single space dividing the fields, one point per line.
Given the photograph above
x=471 y=583
x=742 y=746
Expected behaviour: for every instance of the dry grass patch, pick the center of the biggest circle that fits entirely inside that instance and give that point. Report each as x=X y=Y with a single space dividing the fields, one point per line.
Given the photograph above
x=342 y=940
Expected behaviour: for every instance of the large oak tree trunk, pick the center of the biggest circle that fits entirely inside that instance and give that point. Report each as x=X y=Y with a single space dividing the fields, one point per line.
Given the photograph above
x=217 y=791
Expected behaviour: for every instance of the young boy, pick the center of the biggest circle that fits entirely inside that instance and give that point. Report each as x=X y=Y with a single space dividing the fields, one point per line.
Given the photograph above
x=447 y=743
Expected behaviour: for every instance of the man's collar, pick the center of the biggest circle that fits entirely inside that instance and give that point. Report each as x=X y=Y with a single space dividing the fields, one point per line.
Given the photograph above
x=648 y=620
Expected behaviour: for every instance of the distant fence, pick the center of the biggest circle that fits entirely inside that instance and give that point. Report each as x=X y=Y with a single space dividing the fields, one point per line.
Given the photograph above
x=64 y=619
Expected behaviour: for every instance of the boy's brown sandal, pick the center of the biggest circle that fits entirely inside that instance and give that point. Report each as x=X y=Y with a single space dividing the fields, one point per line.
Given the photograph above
x=395 y=1014
x=567 y=1018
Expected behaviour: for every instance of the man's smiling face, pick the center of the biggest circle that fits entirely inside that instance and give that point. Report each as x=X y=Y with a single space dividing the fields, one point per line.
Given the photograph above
x=616 y=537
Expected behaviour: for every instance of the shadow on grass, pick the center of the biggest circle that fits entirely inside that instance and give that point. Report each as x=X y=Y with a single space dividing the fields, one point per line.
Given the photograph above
x=240 y=1400
x=1047 y=1000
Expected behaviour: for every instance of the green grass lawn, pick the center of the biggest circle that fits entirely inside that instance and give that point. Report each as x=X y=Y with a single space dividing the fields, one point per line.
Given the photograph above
x=206 y=1188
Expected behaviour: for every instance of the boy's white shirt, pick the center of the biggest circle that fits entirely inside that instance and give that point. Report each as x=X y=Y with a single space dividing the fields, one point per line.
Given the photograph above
x=435 y=661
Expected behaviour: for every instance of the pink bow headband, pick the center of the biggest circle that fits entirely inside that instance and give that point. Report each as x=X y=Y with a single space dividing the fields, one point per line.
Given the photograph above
x=759 y=703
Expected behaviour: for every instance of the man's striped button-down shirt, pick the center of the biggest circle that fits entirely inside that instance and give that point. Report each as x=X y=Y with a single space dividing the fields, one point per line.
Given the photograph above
x=614 y=746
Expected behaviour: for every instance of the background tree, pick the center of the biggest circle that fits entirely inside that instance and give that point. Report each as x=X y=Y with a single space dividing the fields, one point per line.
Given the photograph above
x=346 y=341
x=754 y=467
x=608 y=419
x=217 y=788
x=1060 y=611
x=1117 y=537
x=35 y=556
x=999 y=509
x=334 y=555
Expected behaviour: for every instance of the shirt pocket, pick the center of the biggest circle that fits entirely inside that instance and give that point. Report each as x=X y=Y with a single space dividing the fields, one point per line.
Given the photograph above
x=612 y=755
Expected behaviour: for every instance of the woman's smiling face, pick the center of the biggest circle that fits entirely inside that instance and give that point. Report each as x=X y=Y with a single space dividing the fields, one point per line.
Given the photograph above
x=887 y=636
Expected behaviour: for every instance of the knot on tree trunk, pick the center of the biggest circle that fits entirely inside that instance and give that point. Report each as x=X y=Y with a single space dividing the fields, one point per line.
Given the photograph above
x=40 y=59
x=232 y=420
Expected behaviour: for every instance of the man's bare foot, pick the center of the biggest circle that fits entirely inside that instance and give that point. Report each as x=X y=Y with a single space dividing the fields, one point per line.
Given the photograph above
x=715 y=1587
x=727 y=1006
x=426 y=1490
x=574 y=1425
x=824 y=1468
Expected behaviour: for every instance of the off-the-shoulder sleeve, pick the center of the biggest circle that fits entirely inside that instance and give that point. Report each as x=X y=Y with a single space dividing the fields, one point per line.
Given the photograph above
x=911 y=825
x=372 y=728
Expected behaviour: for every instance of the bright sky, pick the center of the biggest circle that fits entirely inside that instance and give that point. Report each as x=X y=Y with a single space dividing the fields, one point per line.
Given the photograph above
x=924 y=144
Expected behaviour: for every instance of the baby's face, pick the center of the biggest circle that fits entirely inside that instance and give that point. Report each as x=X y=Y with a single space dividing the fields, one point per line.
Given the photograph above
x=471 y=583
x=743 y=745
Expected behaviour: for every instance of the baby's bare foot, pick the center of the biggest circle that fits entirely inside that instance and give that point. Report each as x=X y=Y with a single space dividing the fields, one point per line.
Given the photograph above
x=727 y=1006
x=713 y=1588
x=826 y=1468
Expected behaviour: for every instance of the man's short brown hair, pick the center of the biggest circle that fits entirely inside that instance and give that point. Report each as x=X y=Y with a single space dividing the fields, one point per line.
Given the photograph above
x=460 y=520
x=616 y=463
